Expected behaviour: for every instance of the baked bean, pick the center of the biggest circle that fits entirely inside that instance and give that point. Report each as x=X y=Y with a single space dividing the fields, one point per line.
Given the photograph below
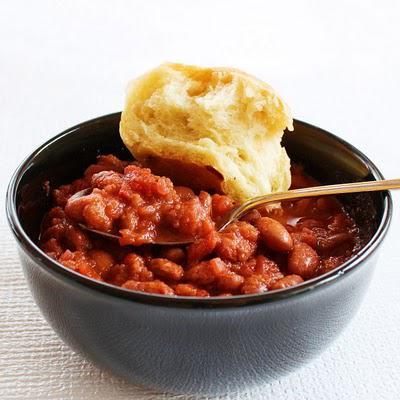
x=206 y=272
x=221 y=204
x=109 y=181
x=191 y=217
x=184 y=193
x=186 y=289
x=267 y=270
x=238 y=242
x=76 y=238
x=103 y=261
x=166 y=269
x=53 y=248
x=118 y=274
x=303 y=260
x=253 y=284
x=251 y=217
x=335 y=240
x=274 y=234
x=143 y=182
x=90 y=209
x=247 y=268
x=305 y=235
x=287 y=281
x=202 y=247
x=137 y=269
x=114 y=208
x=230 y=281
x=78 y=261
x=130 y=219
x=174 y=254
x=156 y=286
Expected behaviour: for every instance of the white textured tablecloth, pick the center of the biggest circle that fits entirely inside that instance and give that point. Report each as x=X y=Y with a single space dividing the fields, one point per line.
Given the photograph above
x=336 y=63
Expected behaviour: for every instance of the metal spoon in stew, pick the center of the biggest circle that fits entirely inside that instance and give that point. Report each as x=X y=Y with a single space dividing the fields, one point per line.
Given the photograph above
x=242 y=209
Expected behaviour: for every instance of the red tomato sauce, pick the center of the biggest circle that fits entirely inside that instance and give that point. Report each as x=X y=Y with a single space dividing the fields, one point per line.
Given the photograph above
x=270 y=248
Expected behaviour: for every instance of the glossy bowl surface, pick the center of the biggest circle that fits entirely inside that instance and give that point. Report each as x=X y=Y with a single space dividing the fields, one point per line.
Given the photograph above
x=193 y=345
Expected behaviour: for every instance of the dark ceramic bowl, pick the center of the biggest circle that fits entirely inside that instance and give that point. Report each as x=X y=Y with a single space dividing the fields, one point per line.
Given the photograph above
x=192 y=345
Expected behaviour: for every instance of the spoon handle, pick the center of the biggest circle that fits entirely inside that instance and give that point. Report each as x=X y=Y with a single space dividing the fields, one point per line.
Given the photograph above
x=354 y=187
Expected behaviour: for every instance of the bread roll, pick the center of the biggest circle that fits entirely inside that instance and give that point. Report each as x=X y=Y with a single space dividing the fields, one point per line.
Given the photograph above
x=210 y=117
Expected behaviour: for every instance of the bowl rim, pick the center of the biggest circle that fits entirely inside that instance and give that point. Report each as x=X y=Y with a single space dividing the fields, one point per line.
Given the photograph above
x=54 y=267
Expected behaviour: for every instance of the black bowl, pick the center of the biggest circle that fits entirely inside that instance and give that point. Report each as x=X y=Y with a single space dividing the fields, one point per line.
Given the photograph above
x=192 y=345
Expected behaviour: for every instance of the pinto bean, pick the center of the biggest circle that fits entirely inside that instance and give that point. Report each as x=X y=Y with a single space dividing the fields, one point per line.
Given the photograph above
x=221 y=204
x=76 y=238
x=253 y=284
x=156 y=286
x=174 y=254
x=303 y=260
x=166 y=269
x=238 y=242
x=136 y=268
x=230 y=281
x=251 y=217
x=207 y=272
x=335 y=240
x=274 y=234
x=306 y=235
x=202 y=247
x=287 y=281
x=186 y=289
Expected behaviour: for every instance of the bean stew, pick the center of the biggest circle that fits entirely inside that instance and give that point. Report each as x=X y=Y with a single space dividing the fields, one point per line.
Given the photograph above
x=273 y=247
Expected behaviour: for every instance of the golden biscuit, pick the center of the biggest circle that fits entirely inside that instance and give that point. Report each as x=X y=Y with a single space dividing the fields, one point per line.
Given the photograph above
x=210 y=117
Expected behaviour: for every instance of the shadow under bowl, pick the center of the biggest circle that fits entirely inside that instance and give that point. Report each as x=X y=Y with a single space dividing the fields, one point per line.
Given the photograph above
x=194 y=345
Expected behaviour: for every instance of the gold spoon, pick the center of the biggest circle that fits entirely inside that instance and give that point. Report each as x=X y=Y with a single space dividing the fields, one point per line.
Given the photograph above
x=242 y=209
